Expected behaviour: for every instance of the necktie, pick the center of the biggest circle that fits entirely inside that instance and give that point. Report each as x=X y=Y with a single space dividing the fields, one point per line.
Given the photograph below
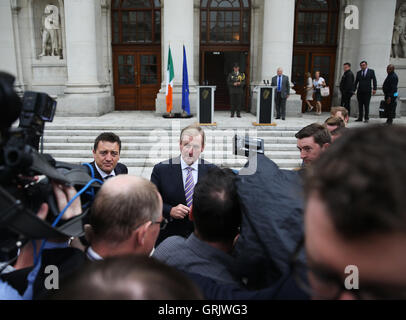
x=108 y=177
x=365 y=73
x=189 y=187
x=279 y=83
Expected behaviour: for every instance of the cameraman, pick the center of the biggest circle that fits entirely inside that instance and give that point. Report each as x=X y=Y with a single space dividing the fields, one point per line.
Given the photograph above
x=25 y=262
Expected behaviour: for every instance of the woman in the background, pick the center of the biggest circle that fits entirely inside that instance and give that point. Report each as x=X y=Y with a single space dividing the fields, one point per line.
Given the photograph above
x=309 y=91
x=318 y=83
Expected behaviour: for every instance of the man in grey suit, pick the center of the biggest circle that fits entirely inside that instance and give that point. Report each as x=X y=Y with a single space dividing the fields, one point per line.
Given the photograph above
x=281 y=82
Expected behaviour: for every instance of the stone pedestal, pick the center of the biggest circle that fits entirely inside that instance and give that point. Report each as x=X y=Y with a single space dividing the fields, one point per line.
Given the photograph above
x=177 y=31
x=84 y=93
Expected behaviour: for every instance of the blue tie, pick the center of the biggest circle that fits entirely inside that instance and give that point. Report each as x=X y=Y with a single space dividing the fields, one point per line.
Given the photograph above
x=189 y=187
x=279 y=83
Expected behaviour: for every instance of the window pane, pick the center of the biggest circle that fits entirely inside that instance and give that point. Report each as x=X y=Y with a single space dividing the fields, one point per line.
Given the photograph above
x=136 y=4
x=313 y=4
x=245 y=3
x=115 y=4
x=157 y=27
x=333 y=28
x=204 y=3
x=157 y=3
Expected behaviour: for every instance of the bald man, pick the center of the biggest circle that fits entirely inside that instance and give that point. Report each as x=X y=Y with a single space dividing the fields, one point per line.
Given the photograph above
x=282 y=84
x=125 y=219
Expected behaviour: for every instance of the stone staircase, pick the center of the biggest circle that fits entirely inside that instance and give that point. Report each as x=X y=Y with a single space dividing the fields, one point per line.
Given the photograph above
x=143 y=147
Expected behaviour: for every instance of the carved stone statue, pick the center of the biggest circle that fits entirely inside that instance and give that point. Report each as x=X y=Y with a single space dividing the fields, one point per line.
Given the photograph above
x=50 y=32
x=399 y=33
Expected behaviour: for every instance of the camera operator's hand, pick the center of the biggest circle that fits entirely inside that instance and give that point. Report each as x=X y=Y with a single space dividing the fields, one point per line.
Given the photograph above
x=63 y=194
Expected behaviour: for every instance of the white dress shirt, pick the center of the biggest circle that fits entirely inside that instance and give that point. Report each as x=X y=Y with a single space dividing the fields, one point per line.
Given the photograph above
x=195 y=167
x=102 y=173
x=92 y=255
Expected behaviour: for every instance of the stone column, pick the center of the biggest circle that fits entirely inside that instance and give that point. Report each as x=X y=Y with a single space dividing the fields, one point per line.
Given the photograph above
x=9 y=46
x=177 y=30
x=277 y=45
x=376 y=27
x=84 y=92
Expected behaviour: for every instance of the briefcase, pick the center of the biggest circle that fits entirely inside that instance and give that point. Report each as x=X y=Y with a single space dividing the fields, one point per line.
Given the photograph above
x=383 y=110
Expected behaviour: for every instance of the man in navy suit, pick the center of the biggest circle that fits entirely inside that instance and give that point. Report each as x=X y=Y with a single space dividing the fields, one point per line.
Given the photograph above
x=106 y=154
x=176 y=178
x=281 y=82
x=363 y=82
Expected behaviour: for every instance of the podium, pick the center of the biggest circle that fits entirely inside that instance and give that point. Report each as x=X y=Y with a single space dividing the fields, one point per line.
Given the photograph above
x=265 y=105
x=205 y=105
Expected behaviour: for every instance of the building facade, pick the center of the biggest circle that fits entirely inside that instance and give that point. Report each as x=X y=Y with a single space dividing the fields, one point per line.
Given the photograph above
x=97 y=56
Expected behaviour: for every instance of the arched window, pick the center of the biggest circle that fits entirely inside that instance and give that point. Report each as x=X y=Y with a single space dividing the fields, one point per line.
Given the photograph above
x=225 y=21
x=316 y=22
x=136 y=21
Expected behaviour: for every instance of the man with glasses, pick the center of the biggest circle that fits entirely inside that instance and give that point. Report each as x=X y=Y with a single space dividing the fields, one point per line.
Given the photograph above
x=106 y=154
x=355 y=217
x=126 y=218
x=176 y=179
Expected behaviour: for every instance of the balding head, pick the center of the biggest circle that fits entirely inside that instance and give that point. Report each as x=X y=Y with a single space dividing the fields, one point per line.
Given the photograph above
x=122 y=204
x=279 y=71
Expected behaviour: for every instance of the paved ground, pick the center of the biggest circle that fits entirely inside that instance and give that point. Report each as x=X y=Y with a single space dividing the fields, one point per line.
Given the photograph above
x=148 y=119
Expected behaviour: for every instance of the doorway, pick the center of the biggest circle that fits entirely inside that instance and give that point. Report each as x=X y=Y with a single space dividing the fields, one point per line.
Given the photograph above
x=306 y=61
x=216 y=65
x=137 y=79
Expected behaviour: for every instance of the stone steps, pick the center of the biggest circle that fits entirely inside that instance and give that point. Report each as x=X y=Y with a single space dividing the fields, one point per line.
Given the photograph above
x=143 y=147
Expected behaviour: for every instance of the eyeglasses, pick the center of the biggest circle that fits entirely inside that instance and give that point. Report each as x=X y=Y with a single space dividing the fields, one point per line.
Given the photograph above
x=328 y=285
x=162 y=224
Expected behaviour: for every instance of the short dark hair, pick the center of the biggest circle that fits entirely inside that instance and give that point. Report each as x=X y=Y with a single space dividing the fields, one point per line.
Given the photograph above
x=347 y=64
x=319 y=133
x=361 y=180
x=127 y=278
x=216 y=208
x=363 y=61
x=115 y=215
x=109 y=137
x=334 y=121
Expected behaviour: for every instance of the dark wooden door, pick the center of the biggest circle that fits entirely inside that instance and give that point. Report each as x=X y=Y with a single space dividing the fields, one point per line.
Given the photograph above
x=216 y=65
x=307 y=61
x=137 y=79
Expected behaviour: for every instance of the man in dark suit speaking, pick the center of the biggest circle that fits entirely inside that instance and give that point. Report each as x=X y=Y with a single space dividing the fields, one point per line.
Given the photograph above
x=363 y=82
x=106 y=153
x=176 y=178
x=281 y=82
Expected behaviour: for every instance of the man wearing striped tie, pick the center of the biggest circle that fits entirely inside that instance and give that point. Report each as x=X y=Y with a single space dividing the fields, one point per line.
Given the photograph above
x=176 y=179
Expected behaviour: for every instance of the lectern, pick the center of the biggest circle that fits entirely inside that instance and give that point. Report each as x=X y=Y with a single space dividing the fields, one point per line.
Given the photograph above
x=205 y=105
x=265 y=105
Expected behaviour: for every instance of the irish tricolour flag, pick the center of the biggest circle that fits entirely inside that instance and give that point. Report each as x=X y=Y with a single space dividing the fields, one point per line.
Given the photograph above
x=169 y=82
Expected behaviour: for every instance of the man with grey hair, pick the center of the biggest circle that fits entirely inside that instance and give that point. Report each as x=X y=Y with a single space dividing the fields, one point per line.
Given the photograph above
x=282 y=91
x=125 y=218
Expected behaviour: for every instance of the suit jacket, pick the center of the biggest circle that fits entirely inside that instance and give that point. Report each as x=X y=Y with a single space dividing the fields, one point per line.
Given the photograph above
x=390 y=85
x=167 y=176
x=347 y=83
x=364 y=83
x=119 y=169
x=285 y=86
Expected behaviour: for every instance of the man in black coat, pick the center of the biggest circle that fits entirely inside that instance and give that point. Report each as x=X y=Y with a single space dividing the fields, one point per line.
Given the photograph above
x=176 y=178
x=363 y=83
x=106 y=154
x=347 y=87
x=390 y=89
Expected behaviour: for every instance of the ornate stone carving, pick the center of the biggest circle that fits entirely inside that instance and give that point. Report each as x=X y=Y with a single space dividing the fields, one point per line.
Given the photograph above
x=51 y=32
x=399 y=33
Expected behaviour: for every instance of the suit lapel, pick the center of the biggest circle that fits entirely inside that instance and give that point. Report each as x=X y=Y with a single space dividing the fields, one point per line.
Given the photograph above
x=177 y=178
